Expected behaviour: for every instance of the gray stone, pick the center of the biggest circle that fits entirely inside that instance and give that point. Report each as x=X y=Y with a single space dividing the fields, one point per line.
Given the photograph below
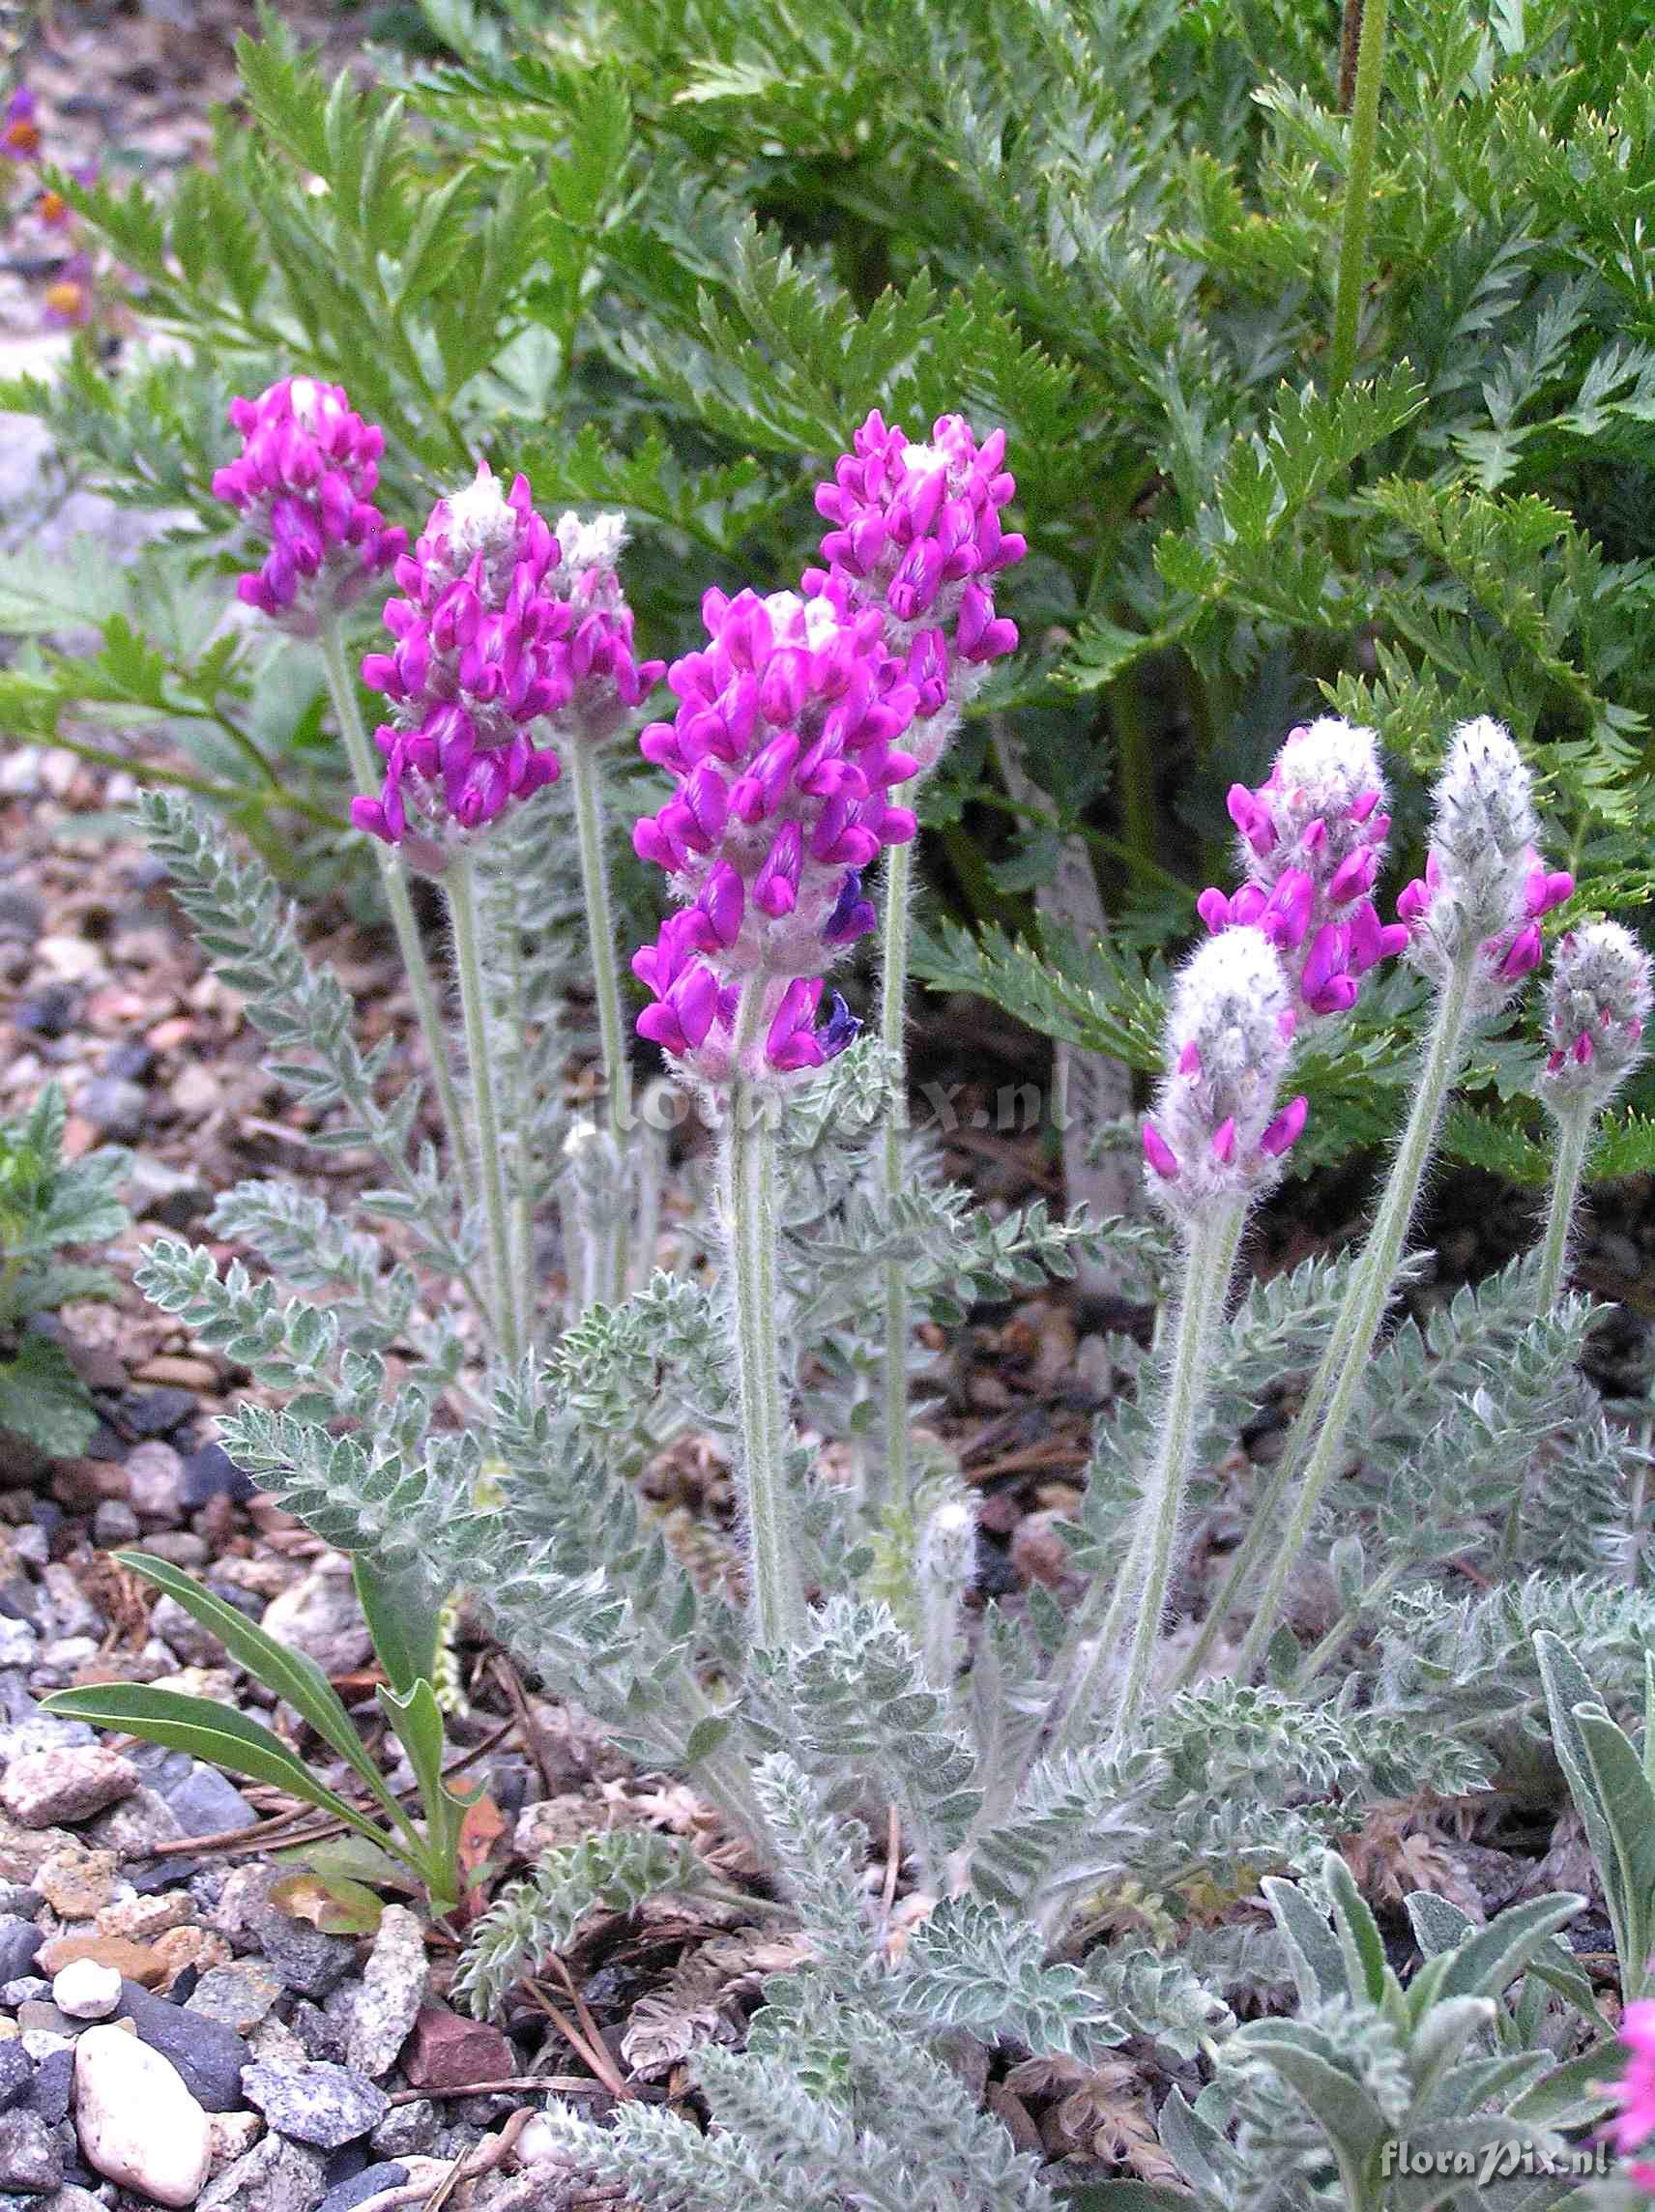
x=208 y=2056
x=16 y=2074
x=408 y=2130
x=113 y=1525
x=319 y=1614
x=20 y=1940
x=18 y=1642
x=52 y=2087
x=348 y=2195
x=27 y=1988
x=383 y=2009
x=308 y=1962
x=206 y=1804
x=154 y=1487
x=31 y=2157
x=317 y=2103
x=275 y=2175
x=116 y=1108
x=44 y=1788
x=238 y=1996
x=135 y=1826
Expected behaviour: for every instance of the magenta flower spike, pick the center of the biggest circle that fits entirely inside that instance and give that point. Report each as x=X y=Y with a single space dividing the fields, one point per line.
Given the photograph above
x=482 y=651
x=790 y=733
x=917 y=537
x=1215 y=1134
x=304 y=480
x=1311 y=842
x=1484 y=882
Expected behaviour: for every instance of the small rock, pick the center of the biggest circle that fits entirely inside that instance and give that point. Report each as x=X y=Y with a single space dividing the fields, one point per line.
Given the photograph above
x=238 y=1996
x=16 y=2074
x=385 y=2008
x=155 y=1491
x=52 y=2088
x=44 y=1788
x=172 y=1196
x=319 y=1615
x=275 y=2175
x=156 y=1412
x=127 y=1957
x=210 y=1474
x=86 y=1989
x=232 y=2136
x=31 y=2158
x=448 y=2051
x=70 y=2197
x=78 y=1882
x=138 y=2125
x=20 y=1941
x=48 y=1012
x=132 y=1828
x=18 y=1642
x=116 y=1108
x=308 y=1962
x=314 y=2102
x=206 y=1804
x=208 y=2056
x=346 y=2195
x=143 y=1918
x=407 y=2129
x=113 y=1525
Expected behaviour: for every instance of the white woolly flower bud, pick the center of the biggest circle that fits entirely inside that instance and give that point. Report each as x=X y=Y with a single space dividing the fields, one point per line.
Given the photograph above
x=1215 y=1135
x=946 y=1568
x=1597 y=1002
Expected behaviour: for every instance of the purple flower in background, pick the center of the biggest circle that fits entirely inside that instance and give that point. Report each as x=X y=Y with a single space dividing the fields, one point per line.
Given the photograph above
x=19 y=125
x=1215 y=1133
x=917 y=537
x=1311 y=841
x=304 y=478
x=481 y=654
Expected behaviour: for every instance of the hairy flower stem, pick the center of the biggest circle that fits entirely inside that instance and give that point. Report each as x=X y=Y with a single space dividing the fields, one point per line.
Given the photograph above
x=367 y=772
x=893 y=1483
x=776 y=1592
x=1359 y=195
x=1573 y=1137
x=1317 y=1440
x=584 y=777
x=1139 y=1591
x=460 y=884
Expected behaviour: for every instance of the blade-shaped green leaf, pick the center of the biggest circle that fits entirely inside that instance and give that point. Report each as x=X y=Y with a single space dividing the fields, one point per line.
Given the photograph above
x=212 y=1732
x=1498 y=1954
x=292 y=1675
x=402 y=1621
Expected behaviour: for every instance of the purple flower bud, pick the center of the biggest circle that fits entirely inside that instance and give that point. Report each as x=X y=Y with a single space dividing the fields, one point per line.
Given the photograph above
x=304 y=480
x=1229 y=1037
x=1597 y=1002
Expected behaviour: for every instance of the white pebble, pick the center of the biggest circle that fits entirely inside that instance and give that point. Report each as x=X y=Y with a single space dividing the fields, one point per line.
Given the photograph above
x=85 y=1989
x=138 y=2124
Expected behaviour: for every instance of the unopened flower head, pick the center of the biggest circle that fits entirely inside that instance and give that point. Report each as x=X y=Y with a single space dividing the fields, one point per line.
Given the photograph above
x=304 y=480
x=1311 y=841
x=608 y=682
x=788 y=739
x=1216 y=1134
x=1597 y=1005
x=481 y=654
x=1485 y=884
x=917 y=536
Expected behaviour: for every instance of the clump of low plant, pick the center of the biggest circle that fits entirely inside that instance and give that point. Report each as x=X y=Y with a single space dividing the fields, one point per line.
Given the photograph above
x=49 y=1206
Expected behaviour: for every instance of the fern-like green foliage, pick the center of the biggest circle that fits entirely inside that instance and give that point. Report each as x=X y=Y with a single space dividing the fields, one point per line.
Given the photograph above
x=48 y=1206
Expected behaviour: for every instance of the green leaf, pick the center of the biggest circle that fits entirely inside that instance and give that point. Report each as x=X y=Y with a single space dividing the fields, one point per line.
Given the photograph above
x=404 y=1624
x=291 y=1674
x=210 y=1729
x=44 y=1400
